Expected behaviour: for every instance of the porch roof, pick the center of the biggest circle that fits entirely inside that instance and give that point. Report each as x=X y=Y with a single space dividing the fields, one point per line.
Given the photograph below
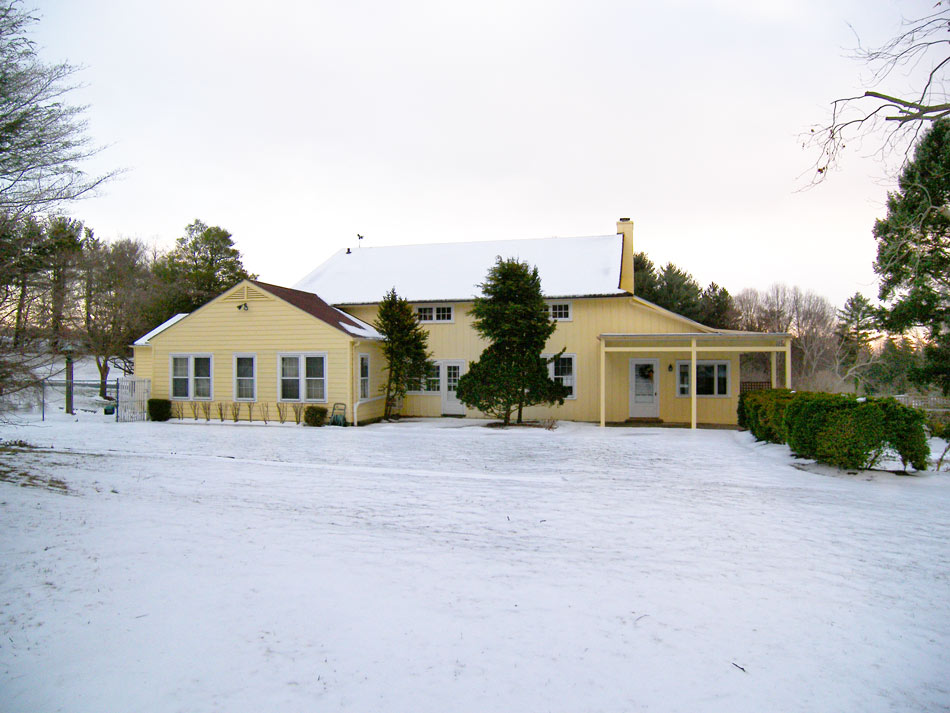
x=724 y=340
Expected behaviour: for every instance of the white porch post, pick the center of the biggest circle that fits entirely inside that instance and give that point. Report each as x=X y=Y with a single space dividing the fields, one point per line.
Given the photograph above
x=774 y=371
x=788 y=363
x=603 y=383
x=692 y=383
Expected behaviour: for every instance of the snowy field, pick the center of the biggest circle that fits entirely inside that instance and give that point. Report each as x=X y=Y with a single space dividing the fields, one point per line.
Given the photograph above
x=443 y=566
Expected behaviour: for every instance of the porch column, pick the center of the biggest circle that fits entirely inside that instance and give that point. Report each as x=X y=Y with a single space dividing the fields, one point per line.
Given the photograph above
x=692 y=383
x=774 y=371
x=788 y=363
x=603 y=383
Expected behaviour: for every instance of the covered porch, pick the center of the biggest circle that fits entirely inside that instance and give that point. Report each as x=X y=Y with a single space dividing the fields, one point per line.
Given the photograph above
x=668 y=371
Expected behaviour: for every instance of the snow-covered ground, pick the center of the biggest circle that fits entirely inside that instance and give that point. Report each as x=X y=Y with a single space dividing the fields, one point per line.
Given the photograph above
x=443 y=566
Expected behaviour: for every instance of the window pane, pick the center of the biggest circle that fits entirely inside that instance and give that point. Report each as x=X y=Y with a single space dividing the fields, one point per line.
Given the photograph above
x=202 y=367
x=289 y=367
x=705 y=381
x=180 y=387
x=315 y=390
x=245 y=367
x=290 y=389
x=564 y=372
x=202 y=388
x=560 y=311
x=245 y=388
x=424 y=314
x=180 y=366
x=452 y=372
x=432 y=378
x=315 y=367
x=684 y=379
x=722 y=387
x=443 y=314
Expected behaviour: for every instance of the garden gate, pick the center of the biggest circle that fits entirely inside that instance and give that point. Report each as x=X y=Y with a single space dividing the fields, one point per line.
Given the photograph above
x=133 y=399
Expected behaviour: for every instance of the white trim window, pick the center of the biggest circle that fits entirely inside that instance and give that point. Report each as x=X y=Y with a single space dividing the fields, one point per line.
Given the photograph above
x=712 y=378
x=364 y=376
x=190 y=377
x=563 y=370
x=245 y=377
x=431 y=383
x=560 y=311
x=302 y=377
x=435 y=313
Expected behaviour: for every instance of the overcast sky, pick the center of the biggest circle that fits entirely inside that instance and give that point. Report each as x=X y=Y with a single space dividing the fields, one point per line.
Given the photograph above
x=297 y=125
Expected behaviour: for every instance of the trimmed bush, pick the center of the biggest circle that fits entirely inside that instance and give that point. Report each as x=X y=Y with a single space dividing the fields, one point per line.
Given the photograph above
x=159 y=409
x=315 y=415
x=805 y=417
x=851 y=437
x=837 y=429
x=905 y=432
x=763 y=411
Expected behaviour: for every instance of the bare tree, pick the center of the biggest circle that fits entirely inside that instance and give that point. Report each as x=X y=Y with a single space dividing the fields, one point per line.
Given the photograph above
x=116 y=280
x=43 y=139
x=921 y=48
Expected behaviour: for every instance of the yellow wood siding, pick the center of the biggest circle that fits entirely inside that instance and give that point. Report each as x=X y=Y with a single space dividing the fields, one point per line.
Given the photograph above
x=268 y=328
x=142 y=361
x=590 y=317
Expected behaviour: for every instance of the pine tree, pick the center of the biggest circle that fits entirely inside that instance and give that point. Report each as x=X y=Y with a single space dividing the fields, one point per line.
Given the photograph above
x=511 y=374
x=913 y=253
x=405 y=345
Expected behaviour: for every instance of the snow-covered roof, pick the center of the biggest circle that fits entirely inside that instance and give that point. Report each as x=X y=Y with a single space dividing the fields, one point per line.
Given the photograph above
x=143 y=341
x=569 y=267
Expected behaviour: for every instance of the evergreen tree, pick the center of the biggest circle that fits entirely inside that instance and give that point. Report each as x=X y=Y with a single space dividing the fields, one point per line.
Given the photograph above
x=511 y=374
x=203 y=264
x=644 y=277
x=717 y=308
x=678 y=292
x=913 y=253
x=405 y=344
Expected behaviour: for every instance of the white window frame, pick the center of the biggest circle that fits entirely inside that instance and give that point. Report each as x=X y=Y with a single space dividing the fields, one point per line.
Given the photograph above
x=363 y=381
x=302 y=376
x=438 y=381
x=191 y=376
x=234 y=385
x=715 y=363
x=561 y=303
x=573 y=358
x=434 y=311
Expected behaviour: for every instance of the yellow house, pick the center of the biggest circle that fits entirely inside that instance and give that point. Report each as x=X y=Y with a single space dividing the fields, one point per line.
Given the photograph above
x=625 y=358
x=266 y=348
x=260 y=349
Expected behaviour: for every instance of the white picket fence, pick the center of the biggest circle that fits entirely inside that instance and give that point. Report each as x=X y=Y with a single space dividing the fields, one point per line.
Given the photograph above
x=133 y=399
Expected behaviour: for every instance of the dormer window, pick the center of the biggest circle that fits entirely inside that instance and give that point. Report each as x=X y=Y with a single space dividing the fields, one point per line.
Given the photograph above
x=559 y=311
x=436 y=313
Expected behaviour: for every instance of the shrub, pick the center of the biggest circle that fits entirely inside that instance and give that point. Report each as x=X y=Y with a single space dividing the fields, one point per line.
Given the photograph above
x=315 y=415
x=805 y=417
x=763 y=413
x=159 y=409
x=905 y=432
x=852 y=436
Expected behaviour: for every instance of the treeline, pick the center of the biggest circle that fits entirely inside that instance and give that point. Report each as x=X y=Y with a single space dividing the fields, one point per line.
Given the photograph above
x=62 y=288
x=833 y=349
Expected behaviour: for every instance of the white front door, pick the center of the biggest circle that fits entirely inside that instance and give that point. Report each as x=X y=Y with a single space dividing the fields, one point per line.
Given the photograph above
x=450 y=372
x=644 y=392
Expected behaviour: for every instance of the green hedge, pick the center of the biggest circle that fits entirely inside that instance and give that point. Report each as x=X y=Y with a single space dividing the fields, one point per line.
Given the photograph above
x=837 y=429
x=159 y=409
x=315 y=415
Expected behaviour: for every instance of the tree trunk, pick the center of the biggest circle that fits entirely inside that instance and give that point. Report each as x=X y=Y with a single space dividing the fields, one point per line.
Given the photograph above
x=388 y=411
x=103 y=376
x=20 y=326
